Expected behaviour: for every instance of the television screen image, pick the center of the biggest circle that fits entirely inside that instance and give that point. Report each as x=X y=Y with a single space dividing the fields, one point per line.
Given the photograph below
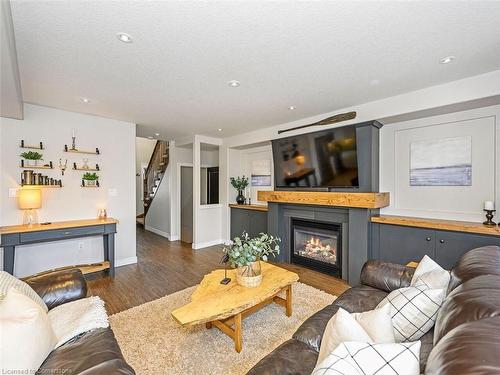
x=324 y=159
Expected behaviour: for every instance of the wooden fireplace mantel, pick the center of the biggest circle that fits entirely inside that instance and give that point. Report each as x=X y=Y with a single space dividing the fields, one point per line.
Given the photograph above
x=342 y=199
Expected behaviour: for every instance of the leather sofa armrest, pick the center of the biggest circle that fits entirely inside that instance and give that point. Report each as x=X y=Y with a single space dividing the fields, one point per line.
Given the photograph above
x=58 y=287
x=386 y=276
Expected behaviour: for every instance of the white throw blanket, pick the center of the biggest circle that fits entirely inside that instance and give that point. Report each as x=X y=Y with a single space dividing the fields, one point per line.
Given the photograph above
x=74 y=318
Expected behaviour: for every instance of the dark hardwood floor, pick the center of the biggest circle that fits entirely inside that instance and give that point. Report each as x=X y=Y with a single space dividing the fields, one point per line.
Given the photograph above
x=166 y=267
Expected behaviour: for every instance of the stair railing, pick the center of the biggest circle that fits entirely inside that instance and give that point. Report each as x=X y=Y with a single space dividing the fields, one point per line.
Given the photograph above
x=154 y=172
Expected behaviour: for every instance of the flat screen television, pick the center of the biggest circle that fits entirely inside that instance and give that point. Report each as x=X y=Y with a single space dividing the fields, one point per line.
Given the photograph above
x=323 y=159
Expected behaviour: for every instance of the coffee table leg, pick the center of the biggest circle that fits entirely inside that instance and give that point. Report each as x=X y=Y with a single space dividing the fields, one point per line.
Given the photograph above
x=237 y=333
x=289 y=301
x=208 y=325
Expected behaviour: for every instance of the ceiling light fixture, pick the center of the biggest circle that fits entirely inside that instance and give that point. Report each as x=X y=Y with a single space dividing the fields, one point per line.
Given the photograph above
x=151 y=137
x=447 y=59
x=234 y=83
x=219 y=130
x=85 y=100
x=292 y=107
x=157 y=134
x=124 y=37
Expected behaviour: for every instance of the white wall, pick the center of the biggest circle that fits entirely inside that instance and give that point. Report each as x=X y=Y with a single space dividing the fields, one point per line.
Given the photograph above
x=240 y=163
x=178 y=156
x=115 y=140
x=158 y=217
x=10 y=82
x=207 y=223
x=209 y=158
x=425 y=102
x=143 y=149
x=163 y=217
x=464 y=90
x=446 y=202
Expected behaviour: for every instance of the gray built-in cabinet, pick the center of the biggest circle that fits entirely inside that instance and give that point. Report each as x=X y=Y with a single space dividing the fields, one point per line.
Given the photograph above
x=403 y=244
x=246 y=220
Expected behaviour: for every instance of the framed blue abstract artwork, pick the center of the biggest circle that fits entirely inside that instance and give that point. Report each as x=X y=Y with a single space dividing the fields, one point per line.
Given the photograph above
x=441 y=162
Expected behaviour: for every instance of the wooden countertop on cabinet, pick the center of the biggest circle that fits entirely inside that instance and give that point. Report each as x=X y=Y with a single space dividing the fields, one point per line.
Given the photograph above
x=451 y=225
x=252 y=207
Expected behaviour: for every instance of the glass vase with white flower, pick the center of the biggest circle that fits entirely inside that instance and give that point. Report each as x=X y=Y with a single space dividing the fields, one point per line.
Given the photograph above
x=245 y=254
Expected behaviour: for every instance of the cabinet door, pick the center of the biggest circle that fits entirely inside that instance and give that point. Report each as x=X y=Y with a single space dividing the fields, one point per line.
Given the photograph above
x=450 y=246
x=401 y=245
x=240 y=222
x=258 y=223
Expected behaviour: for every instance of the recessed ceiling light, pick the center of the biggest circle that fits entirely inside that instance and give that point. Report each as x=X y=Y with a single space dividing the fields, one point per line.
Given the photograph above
x=234 y=83
x=447 y=59
x=85 y=100
x=124 y=37
x=219 y=130
x=157 y=134
x=292 y=107
x=151 y=137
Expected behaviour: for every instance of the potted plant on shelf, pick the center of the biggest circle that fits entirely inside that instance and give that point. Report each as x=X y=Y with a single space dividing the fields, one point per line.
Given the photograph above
x=245 y=254
x=90 y=179
x=32 y=158
x=239 y=183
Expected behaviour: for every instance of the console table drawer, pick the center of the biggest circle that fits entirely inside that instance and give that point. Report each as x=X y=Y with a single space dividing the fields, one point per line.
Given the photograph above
x=62 y=233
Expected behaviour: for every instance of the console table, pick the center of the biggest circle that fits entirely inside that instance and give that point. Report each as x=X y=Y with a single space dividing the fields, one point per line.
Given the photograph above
x=18 y=235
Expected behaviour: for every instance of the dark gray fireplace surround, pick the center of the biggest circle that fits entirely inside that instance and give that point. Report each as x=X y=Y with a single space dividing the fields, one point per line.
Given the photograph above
x=355 y=231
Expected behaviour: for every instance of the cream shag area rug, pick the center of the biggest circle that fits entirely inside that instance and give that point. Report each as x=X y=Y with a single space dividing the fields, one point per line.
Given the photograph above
x=153 y=343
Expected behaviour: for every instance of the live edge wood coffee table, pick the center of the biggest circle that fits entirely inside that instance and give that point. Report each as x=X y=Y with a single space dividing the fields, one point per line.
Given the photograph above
x=224 y=306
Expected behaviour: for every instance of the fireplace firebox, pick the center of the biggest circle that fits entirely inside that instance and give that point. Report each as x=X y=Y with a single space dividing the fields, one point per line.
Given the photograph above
x=317 y=245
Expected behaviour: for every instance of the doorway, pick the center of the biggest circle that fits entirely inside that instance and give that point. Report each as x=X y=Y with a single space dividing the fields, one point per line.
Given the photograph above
x=186 y=206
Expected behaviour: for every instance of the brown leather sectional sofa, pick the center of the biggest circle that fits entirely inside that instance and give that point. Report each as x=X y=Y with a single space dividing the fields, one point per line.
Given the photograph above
x=93 y=353
x=466 y=336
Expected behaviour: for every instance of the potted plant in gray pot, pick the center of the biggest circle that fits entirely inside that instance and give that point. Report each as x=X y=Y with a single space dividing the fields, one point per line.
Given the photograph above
x=239 y=183
x=245 y=254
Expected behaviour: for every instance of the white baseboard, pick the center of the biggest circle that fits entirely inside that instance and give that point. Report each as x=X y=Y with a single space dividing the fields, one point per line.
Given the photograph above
x=174 y=238
x=202 y=245
x=125 y=261
x=157 y=231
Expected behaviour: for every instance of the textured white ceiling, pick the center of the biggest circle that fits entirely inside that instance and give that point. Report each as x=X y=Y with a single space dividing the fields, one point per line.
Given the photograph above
x=318 y=56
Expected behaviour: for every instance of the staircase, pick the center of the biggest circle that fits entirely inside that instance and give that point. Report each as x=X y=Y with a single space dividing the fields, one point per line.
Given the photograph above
x=154 y=174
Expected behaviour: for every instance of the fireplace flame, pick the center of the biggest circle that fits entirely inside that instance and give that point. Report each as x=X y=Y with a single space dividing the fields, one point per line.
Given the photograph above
x=316 y=242
x=316 y=249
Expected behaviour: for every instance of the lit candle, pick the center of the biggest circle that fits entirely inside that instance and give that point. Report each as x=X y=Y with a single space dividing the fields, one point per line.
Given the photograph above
x=489 y=205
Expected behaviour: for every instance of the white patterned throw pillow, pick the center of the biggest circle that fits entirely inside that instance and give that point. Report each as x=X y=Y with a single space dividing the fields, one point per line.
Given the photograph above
x=431 y=273
x=359 y=358
x=8 y=281
x=26 y=335
x=374 y=326
x=414 y=310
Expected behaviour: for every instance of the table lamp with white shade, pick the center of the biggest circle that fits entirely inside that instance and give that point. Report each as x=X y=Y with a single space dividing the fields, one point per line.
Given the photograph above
x=29 y=200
